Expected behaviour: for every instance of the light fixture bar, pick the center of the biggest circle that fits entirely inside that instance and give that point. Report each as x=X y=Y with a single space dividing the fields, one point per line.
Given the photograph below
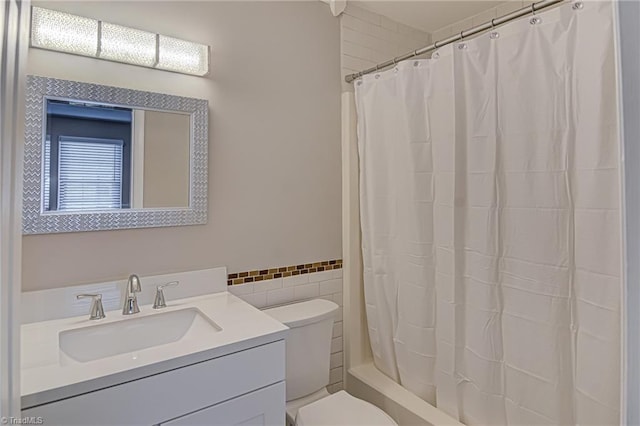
x=64 y=32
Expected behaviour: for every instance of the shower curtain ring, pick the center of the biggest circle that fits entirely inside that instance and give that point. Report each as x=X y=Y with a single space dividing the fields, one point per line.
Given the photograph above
x=494 y=34
x=461 y=34
x=534 y=19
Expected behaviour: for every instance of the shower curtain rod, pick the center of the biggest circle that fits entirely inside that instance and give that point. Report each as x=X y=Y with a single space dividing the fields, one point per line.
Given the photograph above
x=533 y=8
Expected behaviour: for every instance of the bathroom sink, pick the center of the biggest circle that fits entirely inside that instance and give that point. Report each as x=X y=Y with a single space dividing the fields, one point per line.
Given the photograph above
x=134 y=334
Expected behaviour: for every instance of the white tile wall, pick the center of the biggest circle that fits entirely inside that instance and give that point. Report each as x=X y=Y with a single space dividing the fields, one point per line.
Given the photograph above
x=325 y=284
x=368 y=39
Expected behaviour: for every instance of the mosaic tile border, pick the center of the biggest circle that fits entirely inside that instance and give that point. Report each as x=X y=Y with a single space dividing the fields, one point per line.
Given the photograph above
x=282 y=271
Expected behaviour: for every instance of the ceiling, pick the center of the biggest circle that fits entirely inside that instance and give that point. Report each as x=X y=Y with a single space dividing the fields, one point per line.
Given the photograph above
x=427 y=15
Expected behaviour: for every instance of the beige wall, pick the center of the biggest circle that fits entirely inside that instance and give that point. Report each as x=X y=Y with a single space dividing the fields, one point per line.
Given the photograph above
x=274 y=138
x=166 y=159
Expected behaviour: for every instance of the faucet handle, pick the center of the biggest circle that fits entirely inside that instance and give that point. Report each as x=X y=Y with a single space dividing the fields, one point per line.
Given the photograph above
x=159 y=302
x=97 y=311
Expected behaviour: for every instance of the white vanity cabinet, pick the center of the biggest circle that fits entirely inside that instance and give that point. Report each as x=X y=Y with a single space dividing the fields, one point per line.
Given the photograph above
x=241 y=388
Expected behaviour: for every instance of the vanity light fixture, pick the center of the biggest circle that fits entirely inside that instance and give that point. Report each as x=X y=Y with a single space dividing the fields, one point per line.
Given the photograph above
x=63 y=32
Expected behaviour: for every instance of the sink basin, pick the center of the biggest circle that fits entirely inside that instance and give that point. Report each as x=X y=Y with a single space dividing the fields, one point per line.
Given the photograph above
x=134 y=334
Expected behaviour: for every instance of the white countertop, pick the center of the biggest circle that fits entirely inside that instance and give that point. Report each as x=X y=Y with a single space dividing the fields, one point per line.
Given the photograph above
x=47 y=376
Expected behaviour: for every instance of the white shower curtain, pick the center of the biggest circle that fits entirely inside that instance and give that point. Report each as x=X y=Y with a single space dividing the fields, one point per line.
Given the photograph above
x=490 y=210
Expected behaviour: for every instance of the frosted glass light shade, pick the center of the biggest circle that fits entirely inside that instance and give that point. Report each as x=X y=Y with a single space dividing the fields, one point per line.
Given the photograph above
x=60 y=31
x=122 y=44
x=53 y=30
x=183 y=56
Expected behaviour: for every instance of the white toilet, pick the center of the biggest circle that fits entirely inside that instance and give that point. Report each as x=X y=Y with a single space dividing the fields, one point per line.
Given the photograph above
x=307 y=371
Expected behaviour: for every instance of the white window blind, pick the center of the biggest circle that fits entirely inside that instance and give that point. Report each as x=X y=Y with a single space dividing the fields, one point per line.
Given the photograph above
x=46 y=172
x=89 y=173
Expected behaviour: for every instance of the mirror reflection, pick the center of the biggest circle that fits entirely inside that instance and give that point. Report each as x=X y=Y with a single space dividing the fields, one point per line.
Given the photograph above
x=102 y=157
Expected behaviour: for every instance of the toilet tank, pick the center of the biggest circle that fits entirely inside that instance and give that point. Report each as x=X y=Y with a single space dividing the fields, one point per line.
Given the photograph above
x=308 y=344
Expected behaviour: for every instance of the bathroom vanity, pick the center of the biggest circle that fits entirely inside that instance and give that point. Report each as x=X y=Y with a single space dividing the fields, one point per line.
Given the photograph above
x=211 y=359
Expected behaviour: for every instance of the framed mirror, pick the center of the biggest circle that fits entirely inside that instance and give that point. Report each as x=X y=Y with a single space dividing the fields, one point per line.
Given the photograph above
x=99 y=157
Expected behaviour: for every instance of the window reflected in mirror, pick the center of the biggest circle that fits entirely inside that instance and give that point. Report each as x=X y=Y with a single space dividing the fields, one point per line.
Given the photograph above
x=100 y=157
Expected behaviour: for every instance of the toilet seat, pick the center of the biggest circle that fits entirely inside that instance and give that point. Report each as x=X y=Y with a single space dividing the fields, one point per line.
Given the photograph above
x=342 y=409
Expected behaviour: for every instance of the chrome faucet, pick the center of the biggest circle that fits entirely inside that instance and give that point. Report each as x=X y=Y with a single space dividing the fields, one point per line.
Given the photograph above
x=130 y=297
x=97 y=311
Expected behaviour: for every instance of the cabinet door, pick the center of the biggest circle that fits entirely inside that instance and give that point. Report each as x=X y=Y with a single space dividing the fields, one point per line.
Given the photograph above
x=154 y=399
x=258 y=408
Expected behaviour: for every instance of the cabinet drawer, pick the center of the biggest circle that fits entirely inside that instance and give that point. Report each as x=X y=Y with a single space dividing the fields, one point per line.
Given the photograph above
x=174 y=393
x=259 y=408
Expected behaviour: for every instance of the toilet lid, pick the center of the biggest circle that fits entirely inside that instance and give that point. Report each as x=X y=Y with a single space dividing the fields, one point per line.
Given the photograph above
x=342 y=409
